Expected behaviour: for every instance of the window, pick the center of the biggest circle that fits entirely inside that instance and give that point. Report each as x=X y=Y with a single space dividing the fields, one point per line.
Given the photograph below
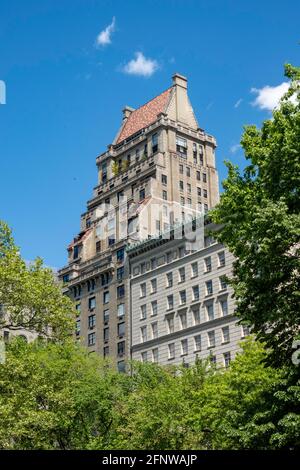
x=120 y=255
x=106 y=351
x=197 y=342
x=182 y=297
x=120 y=196
x=111 y=240
x=153 y=284
x=144 y=356
x=170 y=324
x=142 y=194
x=91 y=339
x=184 y=347
x=205 y=193
x=106 y=315
x=76 y=252
x=106 y=297
x=121 y=310
x=171 y=348
x=188 y=171
x=181 y=145
x=104 y=279
x=164 y=179
x=183 y=320
x=221 y=258
x=209 y=287
x=169 y=257
x=181 y=185
x=198 y=175
x=181 y=273
x=227 y=359
x=245 y=331
x=194 y=268
x=198 y=192
x=225 y=334
x=154 y=139
x=143 y=334
x=154 y=307
x=170 y=302
x=121 y=329
x=121 y=348
x=189 y=202
x=182 y=201
x=143 y=312
x=196 y=293
x=204 y=178
x=196 y=316
x=121 y=367
x=211 y=339
x=223 y=283
x=224 y=307
x=98 y=247
x=165 y=195
x=92 y=321
x=189 y=188
x=137 y=155
x=106 y=334
x=92 y=303
x=78 y=309
x=181 y=169
x=210 y=312
x=205 y=208
x=78 y=327
x=143 y=268
x=143 y=290
x=207 y=264
x=120 y=291
x=120 y=273
x=155 y=355
x=154 y=330
x=66 y=278
x=153 y=263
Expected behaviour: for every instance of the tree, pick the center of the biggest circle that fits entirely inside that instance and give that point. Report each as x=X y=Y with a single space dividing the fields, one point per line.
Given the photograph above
x=31 y=297
x=259 y=216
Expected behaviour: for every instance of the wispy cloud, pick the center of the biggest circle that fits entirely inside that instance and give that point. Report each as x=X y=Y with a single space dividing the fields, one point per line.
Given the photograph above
x=141 y=66
x=104 y=38
x=235 y=147
x=268 y=97
x=236 y=105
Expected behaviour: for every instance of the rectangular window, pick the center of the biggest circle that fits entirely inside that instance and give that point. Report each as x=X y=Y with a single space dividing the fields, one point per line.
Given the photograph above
x=207 y=264
x=182 y=200
x=154 y=307
x=164 y=179
x=194 y=268
x=155 y=355
x=106 y=334
x=189 y=202
x=221 y=258
x=165 y=195
x=92 y=303
x=223 y=283
x=91 y=339
x=170 y=324
x=181 y=169
x=197 y=342
x=154 y=139
x=209 y=287
x=184 y=347
x=225 y=334
x=153 y=284
x=211 y=339
x=143 y=312
x=154 y=330
x=198 y=175
x=120 y=273
x=142 y=194
x=121 y=348
x=170 y=302
x=98 y=247
x=143 y=290
x=120 y=291
x=143 y=334
x=181 y=185
x=171 y=348
x=121 y=329
x=210 y=312
x=196 y=316
x=106 y=351
x=181 y=145
x=183 y=320
x=188 y=171
x=224 y=307
x=92 y=321
x=205 y=193
x=189 y=188
x=181 y=273
x=120 y=255
x=153 y=263
x=245 y=331
x=182 y=297
x=106 y=297
x=198 y=192
x=121 y=310
x=144 y=356
x=196 y=293
x=121 y=367
x=204 y=178
x=106 y=315
x=227 y=359
x=78 y=327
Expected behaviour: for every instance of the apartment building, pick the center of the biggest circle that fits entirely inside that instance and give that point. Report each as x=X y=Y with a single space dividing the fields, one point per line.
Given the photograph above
x=160 y=160
x=181 y=305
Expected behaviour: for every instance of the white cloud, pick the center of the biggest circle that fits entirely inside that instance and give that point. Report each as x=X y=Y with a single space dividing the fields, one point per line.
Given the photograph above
x=235 y=147
x=104 y=37
x=268 y=97
x=141 y=66
x=236 y=105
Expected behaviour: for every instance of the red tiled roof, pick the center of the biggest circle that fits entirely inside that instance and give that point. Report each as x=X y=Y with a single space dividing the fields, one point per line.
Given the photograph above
x=145 y=115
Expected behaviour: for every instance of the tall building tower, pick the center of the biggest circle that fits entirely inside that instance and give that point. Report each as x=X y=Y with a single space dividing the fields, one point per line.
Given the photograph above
x=160 y=155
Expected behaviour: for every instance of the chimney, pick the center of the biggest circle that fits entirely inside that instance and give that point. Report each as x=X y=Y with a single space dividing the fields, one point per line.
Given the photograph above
x=179 y=80
x=126 y=112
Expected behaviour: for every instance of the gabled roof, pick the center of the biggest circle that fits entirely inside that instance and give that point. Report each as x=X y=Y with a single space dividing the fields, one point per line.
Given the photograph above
x=145 y=115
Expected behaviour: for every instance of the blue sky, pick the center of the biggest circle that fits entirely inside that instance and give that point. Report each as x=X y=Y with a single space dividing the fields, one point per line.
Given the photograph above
x=66 y=85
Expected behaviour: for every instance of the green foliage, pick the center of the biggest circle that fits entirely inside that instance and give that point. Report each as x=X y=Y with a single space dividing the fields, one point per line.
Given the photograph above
x=31 y=296
x=259 y=214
